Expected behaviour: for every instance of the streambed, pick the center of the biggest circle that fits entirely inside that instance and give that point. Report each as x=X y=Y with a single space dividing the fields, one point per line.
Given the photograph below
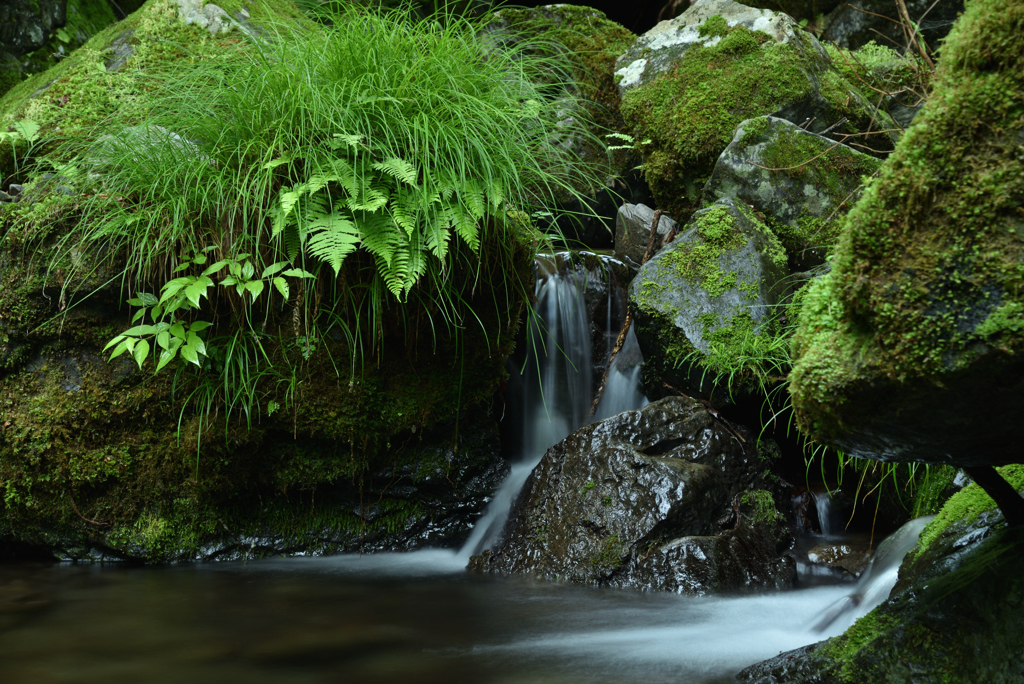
x=378 y=619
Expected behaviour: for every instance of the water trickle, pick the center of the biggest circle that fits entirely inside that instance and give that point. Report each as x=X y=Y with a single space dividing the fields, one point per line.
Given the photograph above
x=829 y=516
x=556 y=379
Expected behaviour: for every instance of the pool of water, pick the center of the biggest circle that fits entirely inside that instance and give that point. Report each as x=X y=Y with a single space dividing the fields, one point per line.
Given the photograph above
x=385 y=618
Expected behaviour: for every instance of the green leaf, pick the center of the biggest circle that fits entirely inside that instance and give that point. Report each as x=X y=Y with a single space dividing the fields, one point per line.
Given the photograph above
x=196 y=342
x=166 y=357
x=163 y=339
x=173 y=287
x=298 y=273
x=148 y=299
x=274 y=163
x=336 y=238
x=134 y=302
x=248 y=270
x=197 y=290
x=273 y=269
x=199 y=326
x=141 y=313
x=199 y=259
x=282 y=286
x=178 y=330
x=29 y=130
x=156 y=312
x=190 y=354
x=397 y=168
x=181 y=267
x=215 y=267
x=114 y=341
x=121 y=348
x=140 y=352
x=255 y=287
x=139 y=330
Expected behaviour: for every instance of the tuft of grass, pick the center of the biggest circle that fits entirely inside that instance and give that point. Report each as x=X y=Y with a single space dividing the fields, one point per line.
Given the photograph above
x=389 y=164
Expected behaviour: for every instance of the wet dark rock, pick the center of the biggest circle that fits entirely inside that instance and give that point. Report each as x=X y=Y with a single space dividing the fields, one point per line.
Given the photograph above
x=851 y=556
x=25 y=25
x=694 y=301
x=661 y=498
x=803 y=184
x=955 y=615
x=854 y=24
x=633 y=231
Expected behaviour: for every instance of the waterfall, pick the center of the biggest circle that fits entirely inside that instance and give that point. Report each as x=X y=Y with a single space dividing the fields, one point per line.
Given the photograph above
x=874 y=585
x=830 y=518
x=556 y=379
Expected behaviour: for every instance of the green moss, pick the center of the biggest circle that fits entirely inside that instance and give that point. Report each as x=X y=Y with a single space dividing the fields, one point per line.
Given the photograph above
x=929 y=266
x=965 y=506
x=763 y=504
x=691 y=112
x=932 y=493
x=610 y=556
x=713 y=26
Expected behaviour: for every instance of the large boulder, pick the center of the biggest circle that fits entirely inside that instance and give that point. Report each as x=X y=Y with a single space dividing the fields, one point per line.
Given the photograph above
x=911 y=348
x=704 y=295
x=956 y=613
x=803 y=184
x=641 y=500
x=688 y=82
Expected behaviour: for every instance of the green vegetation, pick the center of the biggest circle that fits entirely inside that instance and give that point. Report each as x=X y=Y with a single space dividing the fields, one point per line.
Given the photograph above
x=322 y=235
x=928 y=270
x=691 y=111
x=965 y=506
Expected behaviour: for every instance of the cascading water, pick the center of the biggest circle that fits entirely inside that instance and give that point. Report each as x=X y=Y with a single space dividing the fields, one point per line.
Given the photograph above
x=874 y=585
x=556 y=380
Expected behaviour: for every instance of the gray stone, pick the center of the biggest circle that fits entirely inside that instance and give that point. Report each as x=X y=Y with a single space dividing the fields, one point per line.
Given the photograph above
x=637 y=500
x=717 y=282
x=633 y=231
x=207 y=16
x=120 y=51
x=659 y=49
x=802 y=183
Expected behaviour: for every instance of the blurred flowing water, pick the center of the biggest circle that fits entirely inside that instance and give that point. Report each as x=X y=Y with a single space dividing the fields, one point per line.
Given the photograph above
x=415 y=617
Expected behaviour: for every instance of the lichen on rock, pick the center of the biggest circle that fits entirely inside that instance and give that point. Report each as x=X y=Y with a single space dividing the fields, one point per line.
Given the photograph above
x=687 y=86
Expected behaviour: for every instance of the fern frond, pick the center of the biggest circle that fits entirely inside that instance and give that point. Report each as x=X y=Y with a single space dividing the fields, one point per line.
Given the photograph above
x=332 y=238
x=380 y=236
x=399 y=169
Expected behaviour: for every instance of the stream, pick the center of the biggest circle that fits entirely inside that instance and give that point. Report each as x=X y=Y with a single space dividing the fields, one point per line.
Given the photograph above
x=415 y=617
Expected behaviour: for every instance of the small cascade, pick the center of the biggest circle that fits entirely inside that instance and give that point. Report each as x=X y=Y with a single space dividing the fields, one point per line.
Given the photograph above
x=874 y=585
x=829 y=516
x=556 y=381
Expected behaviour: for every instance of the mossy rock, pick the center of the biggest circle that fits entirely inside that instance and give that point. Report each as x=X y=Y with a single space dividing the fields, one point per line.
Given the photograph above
x=698 y=300
x=956 y=614
x=911 y=348
x=98 y=460
x=853 y=26
x=689 y=82
x=802 y=184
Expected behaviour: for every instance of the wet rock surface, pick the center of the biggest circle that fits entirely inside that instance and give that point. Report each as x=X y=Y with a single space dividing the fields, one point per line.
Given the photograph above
x=852 y=25
x=641 y=500
x=955 y=615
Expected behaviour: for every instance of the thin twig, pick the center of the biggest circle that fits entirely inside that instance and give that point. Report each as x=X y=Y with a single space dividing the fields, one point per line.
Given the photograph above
x=97 y=523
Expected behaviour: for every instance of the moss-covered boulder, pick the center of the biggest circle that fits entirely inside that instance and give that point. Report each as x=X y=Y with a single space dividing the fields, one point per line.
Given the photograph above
x=592 y=43
x=688 y=83
x=911 y=348
x=313 y=454
x=664 y=498
x=801 y=183
x=955 y=615
x=705 y=295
